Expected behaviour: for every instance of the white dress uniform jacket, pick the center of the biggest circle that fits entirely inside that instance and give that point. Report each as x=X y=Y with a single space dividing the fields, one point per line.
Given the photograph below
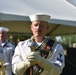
x=7 y=51
x=22 y=50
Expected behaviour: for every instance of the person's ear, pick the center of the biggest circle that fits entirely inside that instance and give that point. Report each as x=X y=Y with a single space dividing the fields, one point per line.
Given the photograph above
x=31 y=27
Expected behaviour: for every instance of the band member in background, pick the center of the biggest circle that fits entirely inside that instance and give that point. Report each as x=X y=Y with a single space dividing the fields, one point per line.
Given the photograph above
x=6 y=52
x=35 y=56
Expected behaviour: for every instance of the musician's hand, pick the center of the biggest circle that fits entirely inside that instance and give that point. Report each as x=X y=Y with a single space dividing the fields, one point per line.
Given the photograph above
x=34 y=57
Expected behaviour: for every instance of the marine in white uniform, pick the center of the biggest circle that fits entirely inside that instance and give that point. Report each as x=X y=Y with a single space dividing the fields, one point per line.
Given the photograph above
x=6 y=51
x=26 y=56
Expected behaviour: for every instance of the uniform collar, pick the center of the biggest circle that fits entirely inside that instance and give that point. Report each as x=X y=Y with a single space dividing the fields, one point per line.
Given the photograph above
x=38 y=43
x=3 y=44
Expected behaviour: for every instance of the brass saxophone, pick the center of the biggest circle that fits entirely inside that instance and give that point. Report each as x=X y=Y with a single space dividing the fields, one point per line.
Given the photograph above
x=33 y=47
x=34 y=69
x=1 y=67
x=32 y=44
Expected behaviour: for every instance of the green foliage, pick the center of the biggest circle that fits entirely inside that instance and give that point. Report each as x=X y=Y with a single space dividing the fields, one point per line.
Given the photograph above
x=68 y=40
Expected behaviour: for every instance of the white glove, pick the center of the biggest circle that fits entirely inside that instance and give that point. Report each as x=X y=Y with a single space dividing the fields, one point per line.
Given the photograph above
x=22 y=66
x=34 y=57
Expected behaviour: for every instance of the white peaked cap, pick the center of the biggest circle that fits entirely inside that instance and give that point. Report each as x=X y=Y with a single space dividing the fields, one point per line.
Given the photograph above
x=40 y=17
x=4 y=29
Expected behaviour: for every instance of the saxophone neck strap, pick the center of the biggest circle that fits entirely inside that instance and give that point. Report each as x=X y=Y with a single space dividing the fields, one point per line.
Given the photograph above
x=46 y=46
